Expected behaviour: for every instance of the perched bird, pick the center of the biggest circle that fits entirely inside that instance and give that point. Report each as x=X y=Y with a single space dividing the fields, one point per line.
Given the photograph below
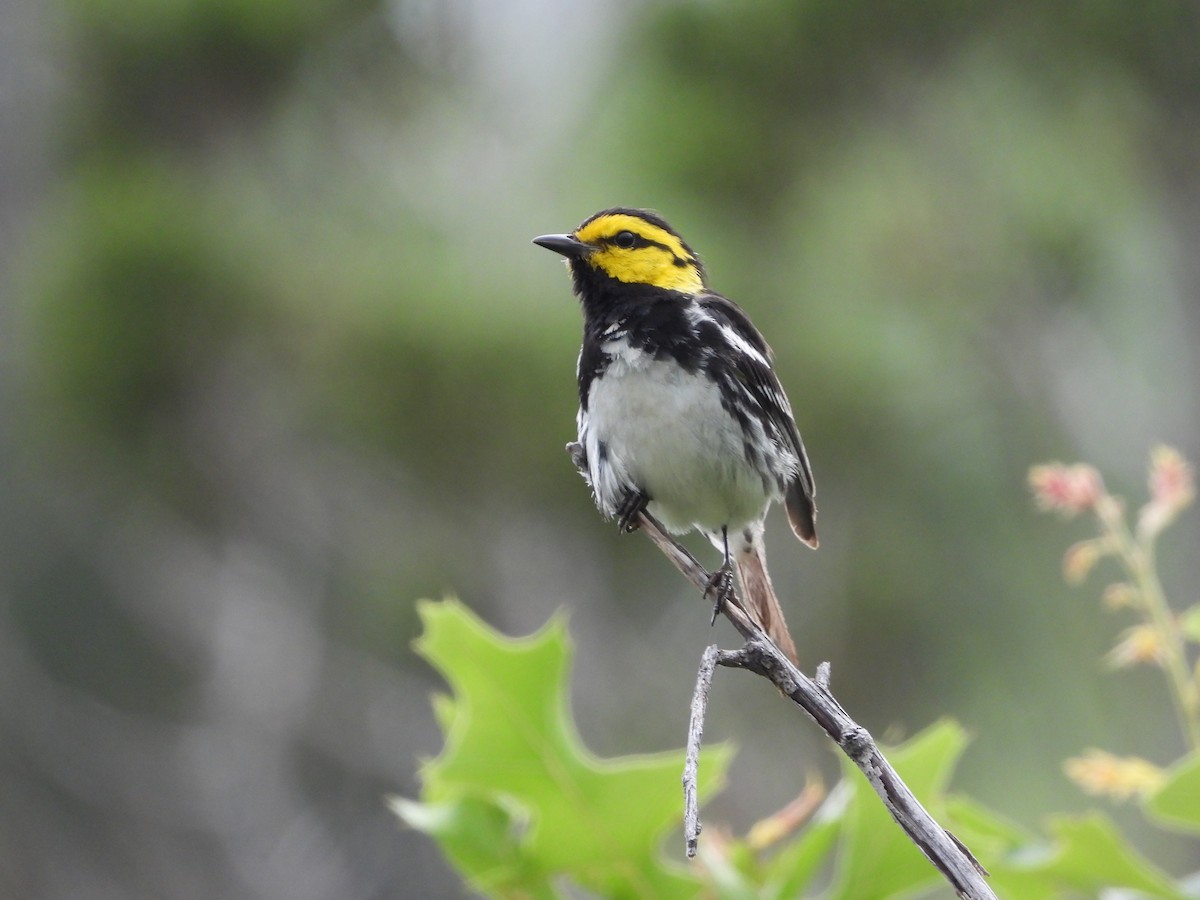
x=680 y=412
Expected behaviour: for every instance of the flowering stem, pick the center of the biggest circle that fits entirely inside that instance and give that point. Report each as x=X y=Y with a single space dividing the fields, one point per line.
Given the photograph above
x=1183 y=690
x=1137 y=557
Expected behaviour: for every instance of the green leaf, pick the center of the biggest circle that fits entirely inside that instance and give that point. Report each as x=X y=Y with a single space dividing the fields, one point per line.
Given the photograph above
x=1012 y=855
x=878 y=859
x=796 y=866
x=1189 y=623
x=984 y=831
x=514 y=798
x=1176 y=803
x=1094 y=855
x=478 y=837
x=1087 y=857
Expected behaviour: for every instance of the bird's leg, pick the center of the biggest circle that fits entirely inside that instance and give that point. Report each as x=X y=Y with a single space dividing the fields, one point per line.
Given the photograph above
x=627 y=513
x=720 y=582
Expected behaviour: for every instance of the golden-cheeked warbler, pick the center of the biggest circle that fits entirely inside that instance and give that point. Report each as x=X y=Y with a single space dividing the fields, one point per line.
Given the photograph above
x=680 y=412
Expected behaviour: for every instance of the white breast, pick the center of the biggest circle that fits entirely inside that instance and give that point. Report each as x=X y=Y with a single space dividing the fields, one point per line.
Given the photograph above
x=664 y=431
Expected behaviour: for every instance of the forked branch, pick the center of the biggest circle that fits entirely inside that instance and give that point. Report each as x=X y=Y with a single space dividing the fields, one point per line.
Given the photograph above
x=759 y=655
x=762 y=657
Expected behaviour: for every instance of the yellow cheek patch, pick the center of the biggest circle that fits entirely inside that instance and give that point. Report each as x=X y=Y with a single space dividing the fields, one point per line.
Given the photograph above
x=664 y=263
x=648 y=265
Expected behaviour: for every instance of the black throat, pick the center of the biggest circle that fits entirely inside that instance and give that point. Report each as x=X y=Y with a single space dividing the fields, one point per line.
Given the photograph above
x=659 y=322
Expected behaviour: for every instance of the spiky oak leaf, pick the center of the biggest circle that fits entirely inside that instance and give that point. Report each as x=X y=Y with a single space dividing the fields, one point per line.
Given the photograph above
x=875 y=858
x=511 y=746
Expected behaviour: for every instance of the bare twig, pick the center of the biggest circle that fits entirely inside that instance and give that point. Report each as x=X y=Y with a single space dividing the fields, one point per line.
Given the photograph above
x=691 y=809
x=761 y=656
x=822 y=676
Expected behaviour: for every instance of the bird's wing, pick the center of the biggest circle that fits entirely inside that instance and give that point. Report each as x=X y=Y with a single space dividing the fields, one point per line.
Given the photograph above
x=751 y=367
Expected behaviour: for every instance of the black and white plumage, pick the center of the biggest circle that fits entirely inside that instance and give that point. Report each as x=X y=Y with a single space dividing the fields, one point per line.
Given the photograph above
x=679 y=407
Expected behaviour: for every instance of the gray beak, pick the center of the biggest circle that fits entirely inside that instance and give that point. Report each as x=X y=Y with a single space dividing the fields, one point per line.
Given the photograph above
x=565 y=244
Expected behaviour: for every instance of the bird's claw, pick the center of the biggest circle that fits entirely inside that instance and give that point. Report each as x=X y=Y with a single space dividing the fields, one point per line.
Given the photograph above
x=720 y=586
x=629 y=510
x=578 y=456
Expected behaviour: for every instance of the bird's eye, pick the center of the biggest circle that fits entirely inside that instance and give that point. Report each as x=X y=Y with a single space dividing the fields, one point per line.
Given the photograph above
x=625 y=240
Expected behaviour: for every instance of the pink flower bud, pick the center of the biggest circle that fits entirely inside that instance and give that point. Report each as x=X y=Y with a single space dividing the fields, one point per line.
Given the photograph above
x=1172 y=487
x=1068 y=490
x=1171 y=479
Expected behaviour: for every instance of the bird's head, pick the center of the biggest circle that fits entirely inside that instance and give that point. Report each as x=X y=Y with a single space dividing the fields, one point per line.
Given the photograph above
x=632 y=246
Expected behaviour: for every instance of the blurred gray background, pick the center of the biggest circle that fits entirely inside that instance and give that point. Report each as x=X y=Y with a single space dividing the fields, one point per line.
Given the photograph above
x=277 y=358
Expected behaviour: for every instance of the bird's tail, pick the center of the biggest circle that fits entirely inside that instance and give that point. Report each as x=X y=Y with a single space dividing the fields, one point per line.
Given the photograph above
x=759 y=597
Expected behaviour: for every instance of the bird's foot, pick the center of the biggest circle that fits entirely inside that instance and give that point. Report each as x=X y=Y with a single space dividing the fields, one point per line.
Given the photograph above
x=627 y=513
x=720 y=586
x=578 y=457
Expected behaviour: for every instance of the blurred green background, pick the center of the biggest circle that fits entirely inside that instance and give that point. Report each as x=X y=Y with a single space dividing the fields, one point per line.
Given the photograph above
x=278 y=358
